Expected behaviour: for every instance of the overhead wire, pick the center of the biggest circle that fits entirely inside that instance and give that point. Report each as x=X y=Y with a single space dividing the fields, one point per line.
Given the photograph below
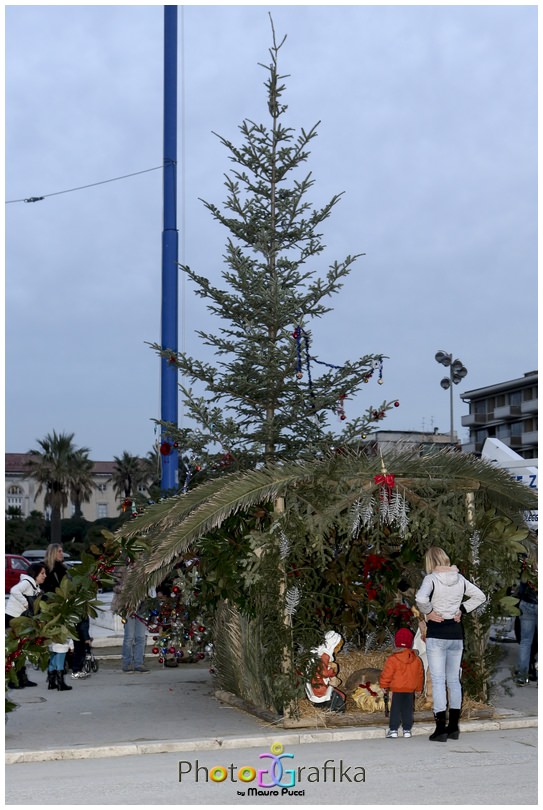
x=89 y=185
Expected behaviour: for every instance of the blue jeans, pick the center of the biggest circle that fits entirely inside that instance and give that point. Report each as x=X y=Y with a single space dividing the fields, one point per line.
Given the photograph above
x=56 y=662
x=444 y=659
x=528 y=627
x=133 y=643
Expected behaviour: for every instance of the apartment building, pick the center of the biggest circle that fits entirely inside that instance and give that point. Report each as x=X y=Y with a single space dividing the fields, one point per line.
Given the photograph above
x=22 y=492
x=385 y=441
x=506 y=411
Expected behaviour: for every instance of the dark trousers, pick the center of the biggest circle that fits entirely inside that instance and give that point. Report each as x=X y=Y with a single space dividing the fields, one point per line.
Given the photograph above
x=401 y=710
x=80 y=646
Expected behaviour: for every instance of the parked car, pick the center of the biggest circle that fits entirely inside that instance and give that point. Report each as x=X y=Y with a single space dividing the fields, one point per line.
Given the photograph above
x=15 y=566
x=34 y=554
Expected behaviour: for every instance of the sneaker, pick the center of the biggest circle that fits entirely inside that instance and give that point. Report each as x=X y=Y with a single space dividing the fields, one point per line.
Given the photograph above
x=128 y=669
x=521 y=681
x=80 y=675
x=391 y=734
x=407 y=734
x=141 y=669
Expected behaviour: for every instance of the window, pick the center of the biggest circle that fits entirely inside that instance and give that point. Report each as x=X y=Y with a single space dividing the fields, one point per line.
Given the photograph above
x=503 y=432
x=515 y=398
x=101 y=510
x=101 y=487
x=517 y=428
x=479 y=406
x=15 y=496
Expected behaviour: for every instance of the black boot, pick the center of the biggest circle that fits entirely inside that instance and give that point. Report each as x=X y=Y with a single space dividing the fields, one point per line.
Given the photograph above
x=440 y=734
x=24 y=680
x=51 y=679
x=61 y=686
x=453 y=732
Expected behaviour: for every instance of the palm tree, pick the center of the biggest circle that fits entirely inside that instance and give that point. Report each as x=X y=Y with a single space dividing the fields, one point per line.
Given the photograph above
x=151 y=466
x=127 y=475
x=81 y=483
x=53 y=467
x=325 y=491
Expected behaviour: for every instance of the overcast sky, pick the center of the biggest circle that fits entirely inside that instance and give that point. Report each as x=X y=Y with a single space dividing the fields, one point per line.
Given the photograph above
x=429 y=117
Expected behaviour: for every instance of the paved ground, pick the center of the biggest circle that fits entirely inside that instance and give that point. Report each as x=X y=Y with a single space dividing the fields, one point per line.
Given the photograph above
x=486 y=768
x=165 y=710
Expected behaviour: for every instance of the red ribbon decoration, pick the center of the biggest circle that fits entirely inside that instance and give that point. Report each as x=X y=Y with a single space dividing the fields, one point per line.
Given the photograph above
x=367 y=687
x=384 y=480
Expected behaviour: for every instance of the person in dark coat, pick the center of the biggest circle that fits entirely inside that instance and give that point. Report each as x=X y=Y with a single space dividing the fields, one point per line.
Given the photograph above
x=54 y=564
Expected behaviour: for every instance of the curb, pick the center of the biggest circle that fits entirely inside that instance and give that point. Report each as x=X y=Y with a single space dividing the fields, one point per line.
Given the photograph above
x=256 y=741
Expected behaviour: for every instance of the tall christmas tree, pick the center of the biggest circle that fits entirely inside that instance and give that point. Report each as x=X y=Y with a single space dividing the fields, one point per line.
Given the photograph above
x=269 y=397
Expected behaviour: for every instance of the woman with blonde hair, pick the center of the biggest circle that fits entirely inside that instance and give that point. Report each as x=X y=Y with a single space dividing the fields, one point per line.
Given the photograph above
x=56 y=570
x=441 y=599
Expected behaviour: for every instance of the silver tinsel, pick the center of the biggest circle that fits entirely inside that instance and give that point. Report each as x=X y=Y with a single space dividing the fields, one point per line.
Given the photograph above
x=355 y=516
x=475 y=542
x=361 y=515
x=393 y=509
x=284 y=545
x=292 y=600
x=367 y=513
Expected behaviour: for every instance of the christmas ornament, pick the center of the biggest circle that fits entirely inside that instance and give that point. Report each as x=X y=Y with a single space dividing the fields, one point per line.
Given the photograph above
x=340 y=408
x=392 y=507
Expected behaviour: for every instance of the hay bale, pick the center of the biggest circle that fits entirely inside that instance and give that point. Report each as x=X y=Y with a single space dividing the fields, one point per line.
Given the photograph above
x=369 y=698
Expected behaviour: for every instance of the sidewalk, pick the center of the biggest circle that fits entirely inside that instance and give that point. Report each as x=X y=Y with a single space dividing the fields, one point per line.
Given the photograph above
x=113 y=713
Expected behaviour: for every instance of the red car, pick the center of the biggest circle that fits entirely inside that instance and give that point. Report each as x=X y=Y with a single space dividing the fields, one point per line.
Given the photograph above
x=15 y=566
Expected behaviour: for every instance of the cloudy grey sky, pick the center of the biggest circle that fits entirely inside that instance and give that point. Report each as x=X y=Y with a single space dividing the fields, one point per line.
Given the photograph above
x=428 y=125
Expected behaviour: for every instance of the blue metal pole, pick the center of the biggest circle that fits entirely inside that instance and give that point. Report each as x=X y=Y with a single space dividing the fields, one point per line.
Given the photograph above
x=170 y=250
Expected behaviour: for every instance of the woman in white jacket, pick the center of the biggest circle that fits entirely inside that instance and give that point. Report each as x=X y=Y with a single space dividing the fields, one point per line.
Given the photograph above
x=441 y=599
x=21 y=599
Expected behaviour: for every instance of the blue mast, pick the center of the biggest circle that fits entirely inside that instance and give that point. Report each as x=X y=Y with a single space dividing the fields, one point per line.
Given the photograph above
x=170 y=251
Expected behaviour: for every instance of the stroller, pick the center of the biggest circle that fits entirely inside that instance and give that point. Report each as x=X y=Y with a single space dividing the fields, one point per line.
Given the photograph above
x=91 y=663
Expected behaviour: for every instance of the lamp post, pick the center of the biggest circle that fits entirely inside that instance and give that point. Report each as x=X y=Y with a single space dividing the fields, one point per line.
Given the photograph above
x=457 y=372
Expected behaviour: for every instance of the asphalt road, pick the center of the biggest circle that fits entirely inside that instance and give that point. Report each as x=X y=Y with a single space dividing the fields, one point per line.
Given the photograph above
x=479 y=769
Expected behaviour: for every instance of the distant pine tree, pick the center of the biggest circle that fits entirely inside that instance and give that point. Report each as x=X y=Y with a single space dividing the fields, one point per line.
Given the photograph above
x=265 y=399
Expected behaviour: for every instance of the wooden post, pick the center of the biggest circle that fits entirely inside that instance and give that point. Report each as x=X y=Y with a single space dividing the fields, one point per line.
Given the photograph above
x=287 y=665
x=478 y=631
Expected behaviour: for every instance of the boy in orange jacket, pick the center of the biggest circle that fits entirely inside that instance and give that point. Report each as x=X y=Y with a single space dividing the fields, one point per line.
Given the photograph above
x=403 y=675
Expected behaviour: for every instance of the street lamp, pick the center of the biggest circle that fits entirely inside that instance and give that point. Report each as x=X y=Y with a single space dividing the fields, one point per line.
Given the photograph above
x=457 y=372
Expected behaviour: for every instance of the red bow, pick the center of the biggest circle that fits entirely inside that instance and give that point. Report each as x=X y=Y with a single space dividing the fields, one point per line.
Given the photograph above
x=384 y=480
x=367 y=686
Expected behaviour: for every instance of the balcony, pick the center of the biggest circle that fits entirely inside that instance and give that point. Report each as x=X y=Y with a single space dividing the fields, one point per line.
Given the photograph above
x=529 y=406
x=529 y=438
x=473 y=419
x=507 y=412
x=472 y=447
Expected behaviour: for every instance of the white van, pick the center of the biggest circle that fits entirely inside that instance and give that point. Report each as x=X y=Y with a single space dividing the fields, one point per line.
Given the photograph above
x=38 y=554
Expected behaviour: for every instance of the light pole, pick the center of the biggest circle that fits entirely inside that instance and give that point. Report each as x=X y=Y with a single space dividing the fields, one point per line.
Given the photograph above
x=169 y=325
x=457 y=372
